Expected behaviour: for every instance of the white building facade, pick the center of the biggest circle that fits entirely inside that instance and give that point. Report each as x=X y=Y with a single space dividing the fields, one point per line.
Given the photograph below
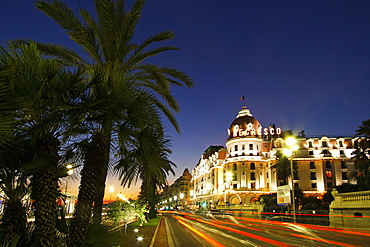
x=241 y=172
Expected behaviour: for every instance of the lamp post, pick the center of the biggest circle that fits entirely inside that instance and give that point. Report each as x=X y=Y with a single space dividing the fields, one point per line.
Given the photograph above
x=290 y=141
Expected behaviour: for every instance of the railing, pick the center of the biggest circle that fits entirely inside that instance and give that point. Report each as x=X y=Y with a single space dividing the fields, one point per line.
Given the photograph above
x=351 y=199
x=356 y=196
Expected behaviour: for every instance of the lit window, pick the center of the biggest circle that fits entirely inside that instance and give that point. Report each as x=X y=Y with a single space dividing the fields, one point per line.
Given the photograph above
x=329 y=174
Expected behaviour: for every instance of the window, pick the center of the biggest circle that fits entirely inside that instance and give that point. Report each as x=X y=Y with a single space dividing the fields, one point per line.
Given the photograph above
x=329 y=185
x=253 y=176
x=243 y=147
x=341 y=144
x=236 y=147
x=250 y=146
x=313 y=185
x=235 y=167
x=267 y=175
x=312 y=165
x=344 y=176
x=329 y=174
x=310 y=152
x=341 y=152
x=235 y=186
x=313 y=175
x=310 y=145
x=253 y=166
x=327 y=164
x=343 y=164
x=358 y=215
x=324 y=144
x=253 y=185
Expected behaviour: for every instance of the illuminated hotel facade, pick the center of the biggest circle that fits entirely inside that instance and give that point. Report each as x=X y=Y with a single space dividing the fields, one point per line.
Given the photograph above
x=241 y=172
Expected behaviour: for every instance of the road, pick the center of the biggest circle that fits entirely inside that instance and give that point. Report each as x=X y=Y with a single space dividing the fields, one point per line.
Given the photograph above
x=194 y=230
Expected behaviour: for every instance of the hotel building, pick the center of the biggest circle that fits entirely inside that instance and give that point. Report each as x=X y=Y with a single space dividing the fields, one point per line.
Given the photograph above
x=241 y=172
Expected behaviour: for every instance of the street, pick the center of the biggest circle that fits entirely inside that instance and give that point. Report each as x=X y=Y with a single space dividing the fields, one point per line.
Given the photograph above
x=200 y=230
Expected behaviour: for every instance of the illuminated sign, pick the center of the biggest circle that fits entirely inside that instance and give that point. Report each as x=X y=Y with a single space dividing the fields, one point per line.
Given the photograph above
x=250 y=131
x=271 y=131
x=283 y=195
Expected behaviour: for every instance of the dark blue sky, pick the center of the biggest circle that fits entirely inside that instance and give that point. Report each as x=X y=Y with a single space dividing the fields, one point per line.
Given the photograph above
x=302 y=65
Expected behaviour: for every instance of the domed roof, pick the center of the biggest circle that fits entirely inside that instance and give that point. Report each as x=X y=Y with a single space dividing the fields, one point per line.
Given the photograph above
x=245 y=125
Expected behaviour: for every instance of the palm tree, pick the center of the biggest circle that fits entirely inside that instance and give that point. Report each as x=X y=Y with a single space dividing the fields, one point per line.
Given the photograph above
x=361 y=156
x=14 y=185
x=116 y=62
x=46 y=90
x=147 y=161
x=282 y=167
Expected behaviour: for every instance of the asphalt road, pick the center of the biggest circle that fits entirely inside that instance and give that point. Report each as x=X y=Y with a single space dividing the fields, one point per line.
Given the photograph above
x=195 y=230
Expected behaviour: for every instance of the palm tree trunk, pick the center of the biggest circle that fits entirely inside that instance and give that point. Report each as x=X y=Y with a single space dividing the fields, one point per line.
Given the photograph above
x=99 y=198
x=44 y=192
x=96 y=157
x=14 y=221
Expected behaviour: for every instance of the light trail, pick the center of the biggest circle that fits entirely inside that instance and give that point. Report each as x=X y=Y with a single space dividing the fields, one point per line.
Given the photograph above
x=202 y=235
x=250 y=235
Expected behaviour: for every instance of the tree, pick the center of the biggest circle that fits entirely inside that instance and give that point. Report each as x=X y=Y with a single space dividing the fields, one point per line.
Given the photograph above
x=116 y=63
x=126 y=212
x=148 y=161
x=14 y=185
x=361 y=156
x=46 y=89
x=282 y=167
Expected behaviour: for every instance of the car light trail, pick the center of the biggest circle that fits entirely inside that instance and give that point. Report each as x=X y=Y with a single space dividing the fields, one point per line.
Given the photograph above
x=250 y=235
x=202 y=235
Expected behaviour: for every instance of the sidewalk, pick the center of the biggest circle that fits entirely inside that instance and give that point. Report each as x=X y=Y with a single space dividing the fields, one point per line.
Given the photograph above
x=160 y=237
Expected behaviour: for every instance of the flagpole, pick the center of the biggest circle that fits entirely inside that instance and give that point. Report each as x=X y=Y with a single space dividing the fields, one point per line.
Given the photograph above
x=243 y=98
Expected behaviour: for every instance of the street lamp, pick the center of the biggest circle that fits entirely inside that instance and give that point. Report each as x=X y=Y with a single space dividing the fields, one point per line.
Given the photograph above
x=69 y=173
x=111 y=190
x=290 y=141
x=182 y=199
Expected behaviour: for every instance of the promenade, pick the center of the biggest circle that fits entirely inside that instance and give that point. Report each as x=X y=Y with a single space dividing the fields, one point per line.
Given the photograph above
x=152 y=236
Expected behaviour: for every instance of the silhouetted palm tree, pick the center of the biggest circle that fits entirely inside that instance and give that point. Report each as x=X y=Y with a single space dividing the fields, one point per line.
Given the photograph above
x=361 y=156
x=147 y=160
x=115 y=63
x=282 y=167
x=45 y=88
